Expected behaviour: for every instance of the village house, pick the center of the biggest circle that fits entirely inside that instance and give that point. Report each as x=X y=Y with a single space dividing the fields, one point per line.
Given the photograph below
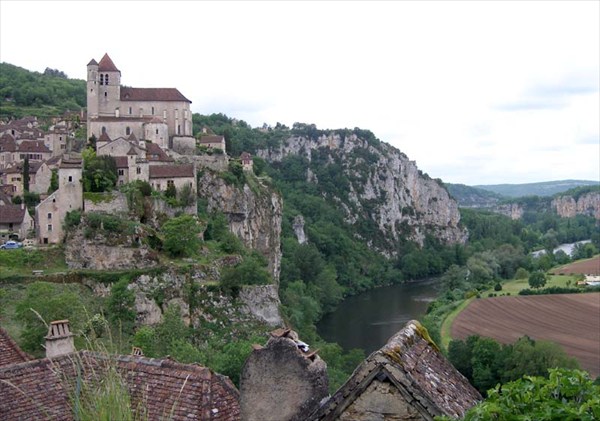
x=50 y=213
x=163 y=176
x=246 y=160
x=8 y=150
x=155 y=114
x=15 y=221
x=34 y=150
x=40 y=175
x=212 y=142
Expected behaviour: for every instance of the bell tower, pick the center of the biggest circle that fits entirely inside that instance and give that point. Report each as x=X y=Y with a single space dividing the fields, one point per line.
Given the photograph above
x=109 y=87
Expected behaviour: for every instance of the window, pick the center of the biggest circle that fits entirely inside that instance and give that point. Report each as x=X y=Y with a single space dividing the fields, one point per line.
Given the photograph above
x=103 y=130
x=105 y=94
x=156 y=131
x=164 y=114
x=152 y=110
x=127 y=131
x=170 y=183
x=71 y=178
x=101 y=79
x=138 y=170
x=121 y=172
x=49 y=227
x=179 y=129
x=49 y=215
x=106 y=79
x=129 y=110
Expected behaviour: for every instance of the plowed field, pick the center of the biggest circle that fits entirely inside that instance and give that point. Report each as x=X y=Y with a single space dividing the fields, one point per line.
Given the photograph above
x=587 y=267
x=570 y=320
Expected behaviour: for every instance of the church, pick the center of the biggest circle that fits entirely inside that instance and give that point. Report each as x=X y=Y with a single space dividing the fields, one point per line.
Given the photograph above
x=158 y=115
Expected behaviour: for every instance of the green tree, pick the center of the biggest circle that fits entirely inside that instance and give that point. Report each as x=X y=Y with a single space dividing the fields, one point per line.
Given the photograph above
x=26 y=175
x=537 y=279
x=171 y=191
x=53 y=182
x=251 y=271
x=44 y=303
x=564 y=395
x=99 y=172
x=121 y=305
x=181 y=236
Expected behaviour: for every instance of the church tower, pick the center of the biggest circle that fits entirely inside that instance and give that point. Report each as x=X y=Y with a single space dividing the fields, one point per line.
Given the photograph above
x=92 y=90
x=109 y=88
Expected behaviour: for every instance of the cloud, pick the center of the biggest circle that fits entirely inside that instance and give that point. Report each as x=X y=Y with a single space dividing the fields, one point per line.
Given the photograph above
x=593 y=139
x=554 y=95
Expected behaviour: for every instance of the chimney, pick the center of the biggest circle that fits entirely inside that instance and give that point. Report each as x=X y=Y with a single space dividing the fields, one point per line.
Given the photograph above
x=59 y=340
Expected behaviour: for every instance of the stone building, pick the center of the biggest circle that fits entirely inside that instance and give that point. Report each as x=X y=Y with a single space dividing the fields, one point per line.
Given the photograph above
x=15 y=220
x=155 y=114
x=50 y=213
x=162 y=176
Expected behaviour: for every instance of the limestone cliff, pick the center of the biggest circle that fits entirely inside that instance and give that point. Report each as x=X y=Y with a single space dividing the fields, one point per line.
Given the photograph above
x=587 y=204
x=254 y=213
x=376 y=182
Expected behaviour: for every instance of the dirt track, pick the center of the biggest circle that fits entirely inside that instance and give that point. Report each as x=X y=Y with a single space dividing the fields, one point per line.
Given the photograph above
x=586 y=267
x=570 y=320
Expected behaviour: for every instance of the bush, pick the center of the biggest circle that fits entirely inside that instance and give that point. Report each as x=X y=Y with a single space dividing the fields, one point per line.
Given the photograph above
x=498 y=287
x=181 y=236
x=72 y=219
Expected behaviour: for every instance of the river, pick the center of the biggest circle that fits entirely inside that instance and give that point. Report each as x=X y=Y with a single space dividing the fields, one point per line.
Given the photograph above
x=368 y=320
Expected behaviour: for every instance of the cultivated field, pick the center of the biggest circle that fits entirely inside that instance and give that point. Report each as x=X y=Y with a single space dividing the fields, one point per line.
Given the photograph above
x=570 y=320
x=586 y=267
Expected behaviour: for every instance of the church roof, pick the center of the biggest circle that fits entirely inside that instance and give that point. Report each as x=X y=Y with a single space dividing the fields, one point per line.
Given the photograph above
x=152 y=94
x=412 y=365
x=106 y=65
x=104 y=138
x=92 y=63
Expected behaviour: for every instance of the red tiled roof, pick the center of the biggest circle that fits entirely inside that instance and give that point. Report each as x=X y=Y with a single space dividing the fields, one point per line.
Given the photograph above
x=121 y=161
x=245 y=156
x=11 y=214
x=211 y=139
x=171 y=171
x=41 y=389
x=10 y=353
x=152 y=94
x=104 y=138
x=156 y=153
x=107 y=65
x=33 y=146
x=7 y=143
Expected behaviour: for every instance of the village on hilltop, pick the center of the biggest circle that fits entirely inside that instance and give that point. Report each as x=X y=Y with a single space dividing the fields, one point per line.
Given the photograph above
x=148 y=132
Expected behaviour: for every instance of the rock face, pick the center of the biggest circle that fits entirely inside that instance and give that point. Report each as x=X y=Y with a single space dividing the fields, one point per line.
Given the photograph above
x=299 y=229
x=281 y=383
x=513 y=210
x=254 y=214
x=379 y=184
x=587 y=204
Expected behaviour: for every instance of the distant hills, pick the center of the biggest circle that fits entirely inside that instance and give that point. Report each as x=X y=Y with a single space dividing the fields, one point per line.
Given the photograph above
x=485 y=196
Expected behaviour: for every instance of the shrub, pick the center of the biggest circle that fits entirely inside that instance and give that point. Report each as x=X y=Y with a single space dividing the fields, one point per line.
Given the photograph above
x=498 y=287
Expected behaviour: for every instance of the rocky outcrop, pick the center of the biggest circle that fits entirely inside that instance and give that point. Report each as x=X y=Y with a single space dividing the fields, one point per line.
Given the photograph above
x=380 y=184
x=299 y=229
x=108 y=252
x=254 y=213
x=587 y=204
x=513 y=210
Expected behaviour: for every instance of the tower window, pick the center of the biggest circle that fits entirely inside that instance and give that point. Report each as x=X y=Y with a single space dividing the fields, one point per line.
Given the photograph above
x=152 y=110
x=103 y=130
x=156 y=131
x=129 y=110
x=105 y=94
x=179 y=129
x=70 y=178
x=101 y=79
x=127 y=131
x=106 y=79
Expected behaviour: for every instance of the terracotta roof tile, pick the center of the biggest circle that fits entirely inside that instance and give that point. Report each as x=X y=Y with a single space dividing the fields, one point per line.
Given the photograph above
x=107 y=65
x=156 y=153
x=104 y=138
x=33 y=146
x=152 y=94
x=92 y=63
x=171 y=171
x=11 y=214
x=121 y=161
x=211 y=139
x=10 y=353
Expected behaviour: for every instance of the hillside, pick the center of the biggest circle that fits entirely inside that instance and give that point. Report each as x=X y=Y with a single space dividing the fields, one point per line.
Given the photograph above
x=546 y=188
x=473 y=197
x=25 y=93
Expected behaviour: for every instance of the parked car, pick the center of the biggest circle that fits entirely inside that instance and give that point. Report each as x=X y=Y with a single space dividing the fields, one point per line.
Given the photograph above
x=10 y=245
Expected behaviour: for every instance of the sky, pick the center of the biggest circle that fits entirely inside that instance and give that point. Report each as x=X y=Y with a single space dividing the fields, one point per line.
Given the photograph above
x=485 y=92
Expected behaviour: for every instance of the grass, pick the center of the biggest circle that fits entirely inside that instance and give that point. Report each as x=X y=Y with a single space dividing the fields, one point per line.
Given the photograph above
x=446 y=330
x=22 y=262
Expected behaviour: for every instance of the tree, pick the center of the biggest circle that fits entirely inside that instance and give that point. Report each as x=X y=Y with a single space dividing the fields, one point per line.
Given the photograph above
x=99 y=172
x=537 y=279
x=171 y=191
x=181 y=236
x=53 y=182
x=26 y=174
x=251 y=271
x=121 y=305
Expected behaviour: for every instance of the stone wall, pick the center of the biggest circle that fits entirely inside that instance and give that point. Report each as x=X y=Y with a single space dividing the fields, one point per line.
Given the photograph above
x=113 y=202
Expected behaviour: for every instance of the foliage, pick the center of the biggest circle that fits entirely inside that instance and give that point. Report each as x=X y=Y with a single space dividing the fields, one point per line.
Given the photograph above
x=26 y=93
x=72 y=219
x=50 y=303
x=120 y=305
x=26 y=174
x=99 y=172
x=537 y=279
x=171 y=191
x=563 y=395
x=181 y=236
x=485 y=363
x=53 y=182
x=251 y=271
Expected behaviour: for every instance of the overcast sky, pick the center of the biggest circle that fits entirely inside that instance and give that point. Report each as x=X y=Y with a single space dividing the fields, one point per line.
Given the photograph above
x=476 y=92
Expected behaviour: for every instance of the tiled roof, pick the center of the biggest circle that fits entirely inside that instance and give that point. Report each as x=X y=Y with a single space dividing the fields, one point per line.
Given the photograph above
x=121 y=161
x=156 y=153
x=171 y=171
x=132 y=137
x=70 y=163
x=245 y=156
x=107 y=65
x=11 y=214
x=415 y=366
x=152 y=94
x=40 y=389
x=211 y=139
x=92 y=63
x=7 y=143
x=10 y=353
x=104 y=138
x=33 y=146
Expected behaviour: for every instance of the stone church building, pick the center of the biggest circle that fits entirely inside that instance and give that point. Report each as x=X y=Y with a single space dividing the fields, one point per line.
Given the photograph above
x=158 y=115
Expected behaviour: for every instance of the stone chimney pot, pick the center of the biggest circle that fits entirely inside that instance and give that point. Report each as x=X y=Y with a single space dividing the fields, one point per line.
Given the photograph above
x=59 y=340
